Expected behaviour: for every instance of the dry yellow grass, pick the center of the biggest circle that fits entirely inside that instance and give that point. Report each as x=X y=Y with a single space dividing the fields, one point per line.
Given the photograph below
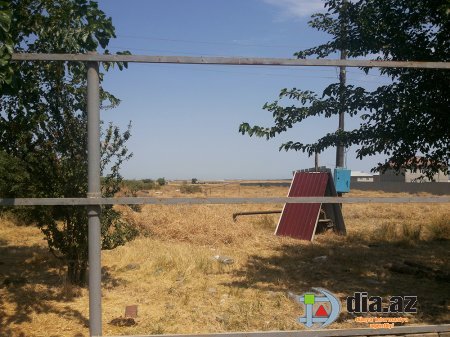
x=170 y=272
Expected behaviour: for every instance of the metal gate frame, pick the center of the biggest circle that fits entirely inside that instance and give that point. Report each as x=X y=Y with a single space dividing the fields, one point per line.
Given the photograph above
x=93 y=201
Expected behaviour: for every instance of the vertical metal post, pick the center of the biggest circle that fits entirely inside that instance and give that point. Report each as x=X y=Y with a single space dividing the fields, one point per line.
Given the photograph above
x=316 y=161
x=342 y=83
x=94 y=233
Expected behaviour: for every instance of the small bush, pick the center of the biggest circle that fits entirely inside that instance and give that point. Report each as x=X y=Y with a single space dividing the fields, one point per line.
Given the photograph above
x=139 y=185
x=148 y=181
x=131 y=187
x=189 y=189
x=161 y=181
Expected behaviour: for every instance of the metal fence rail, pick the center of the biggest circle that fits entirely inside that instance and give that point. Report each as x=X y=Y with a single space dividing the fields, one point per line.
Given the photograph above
x=232 y=61
x=414 y=331
x=202 y=201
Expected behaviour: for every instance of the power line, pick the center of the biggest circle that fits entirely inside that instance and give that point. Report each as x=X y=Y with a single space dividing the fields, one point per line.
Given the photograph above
x=298 y=76
x=160 y=51
x=248 y=73
x=234 y=43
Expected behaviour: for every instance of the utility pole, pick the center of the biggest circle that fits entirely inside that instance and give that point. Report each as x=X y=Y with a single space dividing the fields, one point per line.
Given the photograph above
x=342 y=83
x=316 y=161
x=94 y=191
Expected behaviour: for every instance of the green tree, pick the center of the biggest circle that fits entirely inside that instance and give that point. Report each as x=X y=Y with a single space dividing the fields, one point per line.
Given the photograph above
x=403 y=119
x=161 y=181
x=13 y=177
x=6 y=47
x=43 y=125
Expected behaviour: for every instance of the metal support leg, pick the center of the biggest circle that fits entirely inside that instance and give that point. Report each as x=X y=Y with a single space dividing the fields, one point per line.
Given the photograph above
x=94 y=234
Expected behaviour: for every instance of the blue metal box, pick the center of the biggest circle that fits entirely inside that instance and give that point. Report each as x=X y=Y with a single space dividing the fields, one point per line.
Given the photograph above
x=342 y=180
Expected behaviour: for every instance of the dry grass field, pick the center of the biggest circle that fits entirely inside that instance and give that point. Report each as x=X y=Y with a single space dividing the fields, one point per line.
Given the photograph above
x=171 y=274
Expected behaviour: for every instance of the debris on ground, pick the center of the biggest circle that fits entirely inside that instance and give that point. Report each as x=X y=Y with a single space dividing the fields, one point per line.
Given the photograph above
x=224 y=259
x=121 y=321
x=132 y=266
x=131 y=311
x=320 y=258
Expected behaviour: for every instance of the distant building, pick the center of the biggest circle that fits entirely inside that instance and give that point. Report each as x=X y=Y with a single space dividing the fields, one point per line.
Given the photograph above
x=361 y=177
x=407 y=176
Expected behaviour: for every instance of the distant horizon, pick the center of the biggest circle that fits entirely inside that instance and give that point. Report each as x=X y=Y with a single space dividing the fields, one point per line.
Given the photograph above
x=229 y=179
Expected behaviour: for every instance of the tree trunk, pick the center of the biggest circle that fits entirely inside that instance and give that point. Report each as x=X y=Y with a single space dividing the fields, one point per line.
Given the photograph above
x=76 y=272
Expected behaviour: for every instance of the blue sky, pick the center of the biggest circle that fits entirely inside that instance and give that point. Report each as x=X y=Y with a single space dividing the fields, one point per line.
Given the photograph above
x=185 y=118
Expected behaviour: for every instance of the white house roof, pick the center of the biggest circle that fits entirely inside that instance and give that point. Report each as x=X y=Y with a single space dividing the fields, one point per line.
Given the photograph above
x=361 y=174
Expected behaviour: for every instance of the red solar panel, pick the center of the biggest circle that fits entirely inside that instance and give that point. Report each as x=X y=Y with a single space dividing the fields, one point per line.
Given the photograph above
x=299 y=220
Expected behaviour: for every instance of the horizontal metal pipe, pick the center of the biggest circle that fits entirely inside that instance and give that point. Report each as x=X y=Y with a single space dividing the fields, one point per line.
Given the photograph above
x=398 y=330
x=193 y=201
x=232 y=61
x=235 y=215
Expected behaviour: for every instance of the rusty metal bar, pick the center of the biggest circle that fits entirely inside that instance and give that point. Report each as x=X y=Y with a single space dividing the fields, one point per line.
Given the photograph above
x=194 y=201
x=235 y=215
x=241 y=61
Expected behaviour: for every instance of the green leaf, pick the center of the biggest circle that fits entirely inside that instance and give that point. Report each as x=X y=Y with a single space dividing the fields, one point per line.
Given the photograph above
x=5 y=20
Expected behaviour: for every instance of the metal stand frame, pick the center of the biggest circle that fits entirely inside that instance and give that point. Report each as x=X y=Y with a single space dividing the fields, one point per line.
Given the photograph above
x=94 y=200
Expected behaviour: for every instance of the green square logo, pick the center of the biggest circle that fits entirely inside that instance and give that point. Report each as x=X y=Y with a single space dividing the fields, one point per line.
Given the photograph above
x=310 y=299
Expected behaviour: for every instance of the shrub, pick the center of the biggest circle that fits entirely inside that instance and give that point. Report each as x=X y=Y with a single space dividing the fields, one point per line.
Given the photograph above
x=131 y=188
x=138 y=185
x=148 y=181
x=189 y=189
